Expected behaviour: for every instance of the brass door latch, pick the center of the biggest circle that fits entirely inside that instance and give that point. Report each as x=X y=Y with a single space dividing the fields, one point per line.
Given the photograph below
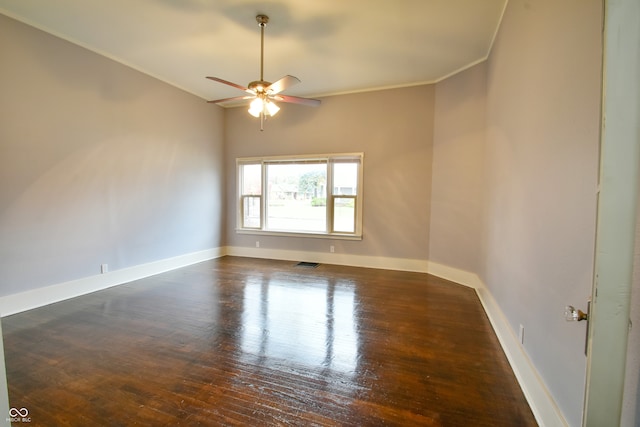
x=573 y=315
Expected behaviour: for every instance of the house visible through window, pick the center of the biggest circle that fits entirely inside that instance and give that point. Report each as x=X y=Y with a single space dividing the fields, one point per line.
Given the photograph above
x=315 y=195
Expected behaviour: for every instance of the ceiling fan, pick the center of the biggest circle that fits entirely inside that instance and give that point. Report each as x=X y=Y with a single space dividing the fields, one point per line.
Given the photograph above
x=263 y=92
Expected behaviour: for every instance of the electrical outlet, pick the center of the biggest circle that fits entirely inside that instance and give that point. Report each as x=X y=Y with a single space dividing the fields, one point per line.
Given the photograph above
x=521 y=334
x=332 y=249
x=104 y=268
x=257 y=243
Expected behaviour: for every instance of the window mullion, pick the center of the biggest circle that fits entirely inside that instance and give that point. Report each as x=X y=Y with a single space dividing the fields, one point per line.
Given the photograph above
x=329 y=191
x=264 y=198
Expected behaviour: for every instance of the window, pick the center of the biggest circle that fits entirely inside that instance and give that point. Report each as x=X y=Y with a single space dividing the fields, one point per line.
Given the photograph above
x=310 y=195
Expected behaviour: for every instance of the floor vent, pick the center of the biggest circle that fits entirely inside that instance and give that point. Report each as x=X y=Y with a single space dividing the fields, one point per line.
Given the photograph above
x=307 y=264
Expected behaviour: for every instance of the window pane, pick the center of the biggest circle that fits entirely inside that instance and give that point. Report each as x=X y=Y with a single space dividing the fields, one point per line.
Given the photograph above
x=345 y=178
x=297 y=197
x=251 y=211
x=252 y=179
x=344 y=214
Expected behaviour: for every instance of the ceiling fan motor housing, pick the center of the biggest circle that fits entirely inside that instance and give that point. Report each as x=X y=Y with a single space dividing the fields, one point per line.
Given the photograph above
x=262 y=20
x=259 y=86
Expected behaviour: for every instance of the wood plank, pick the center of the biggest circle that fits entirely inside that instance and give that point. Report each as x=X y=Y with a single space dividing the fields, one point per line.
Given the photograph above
x=240 y=341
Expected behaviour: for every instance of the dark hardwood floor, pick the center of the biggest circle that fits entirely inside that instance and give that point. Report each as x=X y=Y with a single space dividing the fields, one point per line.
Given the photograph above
x=239 y=341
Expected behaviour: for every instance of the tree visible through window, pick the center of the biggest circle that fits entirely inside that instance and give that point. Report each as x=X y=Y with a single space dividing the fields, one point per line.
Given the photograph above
x=315 y=195
x=296 y=196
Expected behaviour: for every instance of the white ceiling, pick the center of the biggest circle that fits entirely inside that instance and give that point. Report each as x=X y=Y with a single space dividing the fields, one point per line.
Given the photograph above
x=333 y=46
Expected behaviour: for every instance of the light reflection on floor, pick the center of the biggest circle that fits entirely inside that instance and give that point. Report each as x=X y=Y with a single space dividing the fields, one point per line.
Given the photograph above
x=312 y=324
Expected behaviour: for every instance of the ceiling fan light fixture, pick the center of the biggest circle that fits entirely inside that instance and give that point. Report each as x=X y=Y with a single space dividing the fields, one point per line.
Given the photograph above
x=262 y=91
x=265 y=107
x=272 y=108
x=256 y=107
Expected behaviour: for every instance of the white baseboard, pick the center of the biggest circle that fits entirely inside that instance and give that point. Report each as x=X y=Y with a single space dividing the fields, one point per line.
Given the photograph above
x=544 y=408
x=16 y=303
x=460 y=277
x=386 y=263
x=402 y=264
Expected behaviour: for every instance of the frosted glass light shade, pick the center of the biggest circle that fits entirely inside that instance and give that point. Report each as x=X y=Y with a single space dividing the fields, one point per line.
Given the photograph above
x=272 y=108
x=256 y=107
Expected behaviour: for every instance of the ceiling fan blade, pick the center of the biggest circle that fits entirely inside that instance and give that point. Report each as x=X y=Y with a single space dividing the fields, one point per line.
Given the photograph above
x=282 y=84
x=297 y=100
x=235 y=98
x=231 y=84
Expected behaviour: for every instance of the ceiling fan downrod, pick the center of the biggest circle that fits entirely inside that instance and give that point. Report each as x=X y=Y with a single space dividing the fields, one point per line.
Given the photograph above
x=260 y=86
x=262 y=22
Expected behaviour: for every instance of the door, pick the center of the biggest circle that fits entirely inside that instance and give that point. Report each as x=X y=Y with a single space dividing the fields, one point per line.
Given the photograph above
x=619 y=160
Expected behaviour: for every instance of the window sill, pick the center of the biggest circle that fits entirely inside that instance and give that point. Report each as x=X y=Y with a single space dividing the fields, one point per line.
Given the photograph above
x=333 y=236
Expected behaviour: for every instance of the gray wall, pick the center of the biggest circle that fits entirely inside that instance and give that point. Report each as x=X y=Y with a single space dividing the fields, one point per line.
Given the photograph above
x=457 y=195
x=98 y=164
x=543 y=118
x=394 y=129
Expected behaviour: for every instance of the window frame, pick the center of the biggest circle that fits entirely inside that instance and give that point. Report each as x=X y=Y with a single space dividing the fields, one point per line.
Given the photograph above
x=330 y=160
